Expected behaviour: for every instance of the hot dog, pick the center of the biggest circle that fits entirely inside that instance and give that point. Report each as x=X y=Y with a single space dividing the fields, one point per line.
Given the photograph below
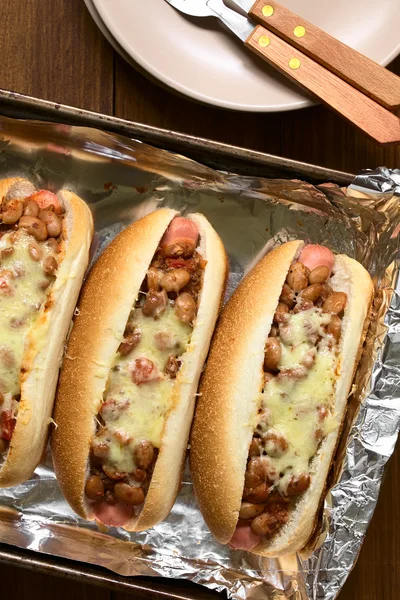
x=273 y=396
x=44 y=252
x=126 y=396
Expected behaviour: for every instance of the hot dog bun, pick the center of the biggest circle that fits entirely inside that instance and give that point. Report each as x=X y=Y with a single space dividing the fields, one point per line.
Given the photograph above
x=105 y=304
x=230 y=390
x=45 y=340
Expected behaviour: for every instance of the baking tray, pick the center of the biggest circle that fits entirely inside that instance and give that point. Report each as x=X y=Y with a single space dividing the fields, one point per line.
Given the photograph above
x=216 y=155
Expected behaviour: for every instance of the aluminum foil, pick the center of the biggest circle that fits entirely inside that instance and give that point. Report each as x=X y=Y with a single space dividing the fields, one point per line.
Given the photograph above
x=122 y=180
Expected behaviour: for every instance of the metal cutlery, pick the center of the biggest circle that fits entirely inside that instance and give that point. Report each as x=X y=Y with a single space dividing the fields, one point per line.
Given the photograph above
x=356 y=107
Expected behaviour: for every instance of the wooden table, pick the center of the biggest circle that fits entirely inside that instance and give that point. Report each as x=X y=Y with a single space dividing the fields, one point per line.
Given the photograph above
x=53 y=50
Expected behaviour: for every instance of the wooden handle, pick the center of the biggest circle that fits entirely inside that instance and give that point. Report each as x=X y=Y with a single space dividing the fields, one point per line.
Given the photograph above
x=372 y=118
x=363 y=73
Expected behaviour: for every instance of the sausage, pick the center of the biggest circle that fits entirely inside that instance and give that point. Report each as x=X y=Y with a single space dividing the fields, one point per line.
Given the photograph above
x=244 y=538
x=113 y=515
x=45 y=199
x=180 y=239
x=313 y=256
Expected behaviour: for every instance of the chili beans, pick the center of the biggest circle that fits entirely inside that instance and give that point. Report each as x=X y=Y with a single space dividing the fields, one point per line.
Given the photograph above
x=50 y=265
x=129 y=343
x=272 y=354
x=297 y=277
x=172 y=366
x=185 y=308
x=94 y=488
x=335 y=303
x=12 y=212
x=35 y=251
x=143 y=454
x=35 y=227
x=250 y=511
x=318 y=275
x=175 y=280
x=335 y=327
x=31 y=209
x=287 y=296
x=129 y=494
x=281 y=313
x=51 y=221
x=312 y=292
x=298 y=484
x=155 y=304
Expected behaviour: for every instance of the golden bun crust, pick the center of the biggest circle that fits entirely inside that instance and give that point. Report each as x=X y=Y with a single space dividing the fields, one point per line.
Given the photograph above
x=106 y=301
x=45 y=342
x=231 y=385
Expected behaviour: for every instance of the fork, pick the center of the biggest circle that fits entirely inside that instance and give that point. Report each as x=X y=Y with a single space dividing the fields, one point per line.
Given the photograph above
x=353 y=105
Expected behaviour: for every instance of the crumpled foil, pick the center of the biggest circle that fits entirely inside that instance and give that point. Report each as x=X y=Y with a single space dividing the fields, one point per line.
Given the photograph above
x=122 y=180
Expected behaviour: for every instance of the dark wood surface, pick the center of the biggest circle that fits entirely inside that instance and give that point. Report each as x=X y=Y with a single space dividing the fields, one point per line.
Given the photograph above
x=52 y=49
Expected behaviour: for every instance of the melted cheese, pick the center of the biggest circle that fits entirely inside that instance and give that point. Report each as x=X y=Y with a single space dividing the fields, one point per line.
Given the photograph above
x=143 y=408
x=291 y=403
x=20 y=301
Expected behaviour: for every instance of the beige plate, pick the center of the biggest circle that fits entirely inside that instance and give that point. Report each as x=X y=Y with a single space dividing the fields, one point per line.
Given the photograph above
x=198 y=58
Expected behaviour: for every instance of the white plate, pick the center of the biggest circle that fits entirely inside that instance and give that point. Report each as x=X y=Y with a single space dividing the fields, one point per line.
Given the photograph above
x=198 y=58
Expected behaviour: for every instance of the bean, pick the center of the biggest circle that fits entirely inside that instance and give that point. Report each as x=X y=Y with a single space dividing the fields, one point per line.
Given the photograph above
x=155 y=304
x=302 y=305
x=153 y=278
x=296 y=373
x=298 y=484
x=129 y=494
x=335 y=327
x=185 y=307
x=139 y=474
x=31 y=209
x=35 y=251
x=281 y=313
x=94 y=488
x=297 y=277
x=267 y=523
x=6 y=252
x=129 y=343
x=335 y=303
x=255 y=448
x=287 y=296
x=319 y=275
x=257 y=495
x=51 y=221
x=113 y=473
x=249 y=510
x=50 y=265
x=272 y=354
x=275 y=442
x=12 y=212
x=172 y=366
x=312 y=292
x=35 y=227
x=143 y=454
x=100 y=449
x=264 y=419
x=175 y=280
x=3 y=446
x=43 y=285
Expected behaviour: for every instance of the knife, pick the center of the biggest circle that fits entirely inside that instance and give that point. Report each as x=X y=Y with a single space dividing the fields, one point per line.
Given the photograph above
x=358 y=70
x=353 y=105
